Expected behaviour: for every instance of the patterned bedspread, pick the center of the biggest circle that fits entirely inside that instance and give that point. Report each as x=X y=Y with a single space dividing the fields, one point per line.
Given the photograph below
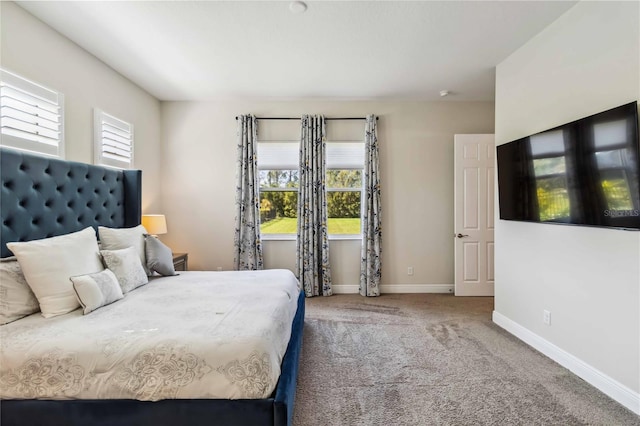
x=198 y=335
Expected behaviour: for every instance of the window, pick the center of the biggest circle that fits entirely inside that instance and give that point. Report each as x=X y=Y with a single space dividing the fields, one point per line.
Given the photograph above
x=344 y=200
x=31 y=116
x=113 y=141
x=278 y=166
x=279 y=183
x=278 y=201
x=345 y=161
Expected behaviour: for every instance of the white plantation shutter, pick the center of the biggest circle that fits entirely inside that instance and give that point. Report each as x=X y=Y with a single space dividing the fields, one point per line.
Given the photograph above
x=31 y=116
x=113 y=141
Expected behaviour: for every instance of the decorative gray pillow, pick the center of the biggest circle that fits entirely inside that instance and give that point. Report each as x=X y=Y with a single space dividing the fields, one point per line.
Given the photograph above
x=16 y=298
x=159 y=256
x=126 y=266
x=97 y=290
x=121 y=238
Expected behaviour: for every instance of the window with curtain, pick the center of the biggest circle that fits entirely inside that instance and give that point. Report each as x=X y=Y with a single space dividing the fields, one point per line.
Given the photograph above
x=278 y=165
x=113 y=141
x=32 y=116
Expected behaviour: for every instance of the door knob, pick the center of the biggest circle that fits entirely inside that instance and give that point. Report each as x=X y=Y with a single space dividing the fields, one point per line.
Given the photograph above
x=461 y=235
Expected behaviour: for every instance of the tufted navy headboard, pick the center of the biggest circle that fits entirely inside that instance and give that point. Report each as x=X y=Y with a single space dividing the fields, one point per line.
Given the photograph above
x=43 y=197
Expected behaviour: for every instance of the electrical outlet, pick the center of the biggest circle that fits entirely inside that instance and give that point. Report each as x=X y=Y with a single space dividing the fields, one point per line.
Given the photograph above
x=410 y=270
x=546 y=317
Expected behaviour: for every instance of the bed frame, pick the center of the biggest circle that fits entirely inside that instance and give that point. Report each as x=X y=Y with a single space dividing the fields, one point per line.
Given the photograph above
x=43 y=197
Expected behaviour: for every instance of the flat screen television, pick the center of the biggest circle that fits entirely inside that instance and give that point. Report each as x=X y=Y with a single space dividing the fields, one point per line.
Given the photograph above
x=581 y=173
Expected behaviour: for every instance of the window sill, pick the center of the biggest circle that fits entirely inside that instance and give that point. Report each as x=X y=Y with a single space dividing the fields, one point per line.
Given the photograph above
x=345 y=237
x=278 y=237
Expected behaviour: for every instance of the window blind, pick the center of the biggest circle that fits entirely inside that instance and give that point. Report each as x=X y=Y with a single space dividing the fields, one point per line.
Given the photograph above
x=285 y=155
x=113 y=141
x=31 y=116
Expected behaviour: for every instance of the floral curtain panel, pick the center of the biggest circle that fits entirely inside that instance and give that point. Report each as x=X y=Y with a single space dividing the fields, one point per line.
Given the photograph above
x=370 y=264
x=248 y=249
x=312 y=250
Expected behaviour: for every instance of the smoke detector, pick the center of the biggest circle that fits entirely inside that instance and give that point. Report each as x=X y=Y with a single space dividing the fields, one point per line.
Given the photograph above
x=297 y=7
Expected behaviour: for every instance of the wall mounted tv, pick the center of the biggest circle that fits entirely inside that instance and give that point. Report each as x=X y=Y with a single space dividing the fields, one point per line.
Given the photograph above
x=581 y=173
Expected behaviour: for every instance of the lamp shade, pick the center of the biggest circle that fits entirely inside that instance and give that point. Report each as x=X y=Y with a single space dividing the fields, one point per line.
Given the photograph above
x=155 y=224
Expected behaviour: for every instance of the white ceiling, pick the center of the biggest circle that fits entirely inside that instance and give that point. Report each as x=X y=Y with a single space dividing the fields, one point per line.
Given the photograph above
x=202 y=50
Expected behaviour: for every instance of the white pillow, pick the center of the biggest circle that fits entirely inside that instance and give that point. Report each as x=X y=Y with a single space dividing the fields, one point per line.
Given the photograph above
x=120 y=238
x=125 y=264
x=48 y=264
x=97 y=290
x=16 y=298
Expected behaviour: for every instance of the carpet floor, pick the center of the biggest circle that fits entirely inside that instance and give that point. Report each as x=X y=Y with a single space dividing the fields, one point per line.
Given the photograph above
x=431 y=359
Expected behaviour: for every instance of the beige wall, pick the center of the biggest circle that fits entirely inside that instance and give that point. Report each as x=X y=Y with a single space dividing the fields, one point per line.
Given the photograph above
x=195 y=163
x=589 y=278
x=34 y=51
x=416 y=155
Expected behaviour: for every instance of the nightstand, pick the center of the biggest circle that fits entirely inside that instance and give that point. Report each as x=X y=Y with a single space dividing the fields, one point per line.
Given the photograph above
x=180 y=261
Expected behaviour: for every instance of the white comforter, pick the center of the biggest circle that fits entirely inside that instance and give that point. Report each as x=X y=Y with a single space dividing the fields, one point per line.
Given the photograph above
x=197 y=335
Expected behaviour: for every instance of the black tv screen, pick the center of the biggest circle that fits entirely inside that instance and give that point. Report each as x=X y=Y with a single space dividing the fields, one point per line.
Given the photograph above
x=582 y=173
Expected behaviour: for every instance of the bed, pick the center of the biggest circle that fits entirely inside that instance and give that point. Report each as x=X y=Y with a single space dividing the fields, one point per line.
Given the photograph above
x=44 y=197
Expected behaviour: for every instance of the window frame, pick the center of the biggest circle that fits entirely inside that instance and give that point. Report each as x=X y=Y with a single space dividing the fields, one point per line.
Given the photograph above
x=361 y=191
x=46 y=96
x=282 y=237
x=100 y=118
x=293 y=237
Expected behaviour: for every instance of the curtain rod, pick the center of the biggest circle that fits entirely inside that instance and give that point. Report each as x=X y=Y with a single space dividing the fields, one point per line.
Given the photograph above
x=299 y=118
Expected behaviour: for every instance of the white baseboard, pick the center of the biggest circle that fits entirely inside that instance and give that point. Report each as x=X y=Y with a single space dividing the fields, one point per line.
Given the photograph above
x=396 y=288
x=591 y=375
x=416 y=288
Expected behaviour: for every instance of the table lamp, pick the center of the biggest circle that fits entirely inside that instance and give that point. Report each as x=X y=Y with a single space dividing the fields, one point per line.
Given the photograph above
x=155 y=224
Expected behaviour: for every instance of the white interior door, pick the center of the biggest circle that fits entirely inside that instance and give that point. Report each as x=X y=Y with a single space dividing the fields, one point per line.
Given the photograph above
x=474 y=214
